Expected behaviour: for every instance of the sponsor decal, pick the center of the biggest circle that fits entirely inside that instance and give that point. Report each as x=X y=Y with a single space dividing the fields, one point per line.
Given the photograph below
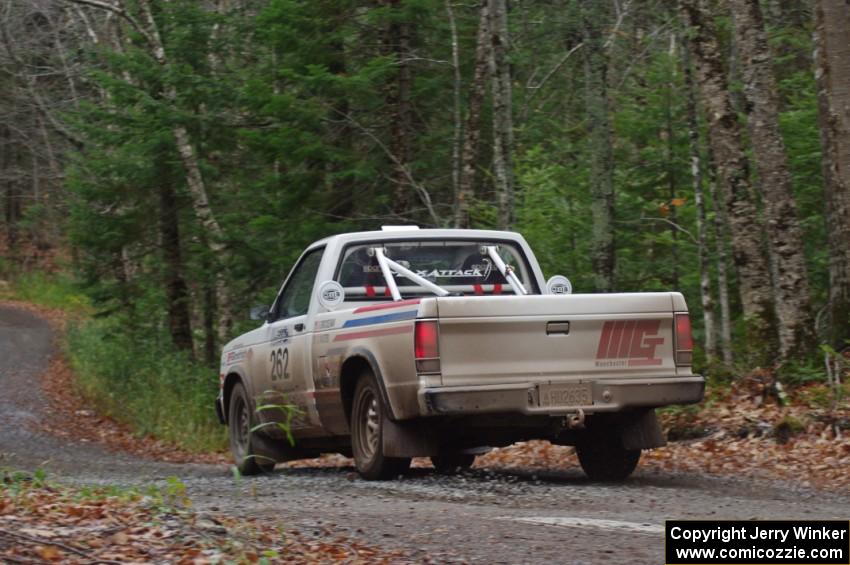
x=381 y=319
x=281 y=333
x=374 y=333
x=236 y=356
x=629 y=343
x=480 y=271
x=389 y=306
x=559 y=284
x=331 y=294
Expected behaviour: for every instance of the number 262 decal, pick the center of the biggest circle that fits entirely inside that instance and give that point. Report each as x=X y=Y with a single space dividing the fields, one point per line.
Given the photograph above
x=280 y=364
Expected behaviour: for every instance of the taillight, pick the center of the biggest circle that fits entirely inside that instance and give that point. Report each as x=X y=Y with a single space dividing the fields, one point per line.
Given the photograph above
x=684 y=340
x=426 y=346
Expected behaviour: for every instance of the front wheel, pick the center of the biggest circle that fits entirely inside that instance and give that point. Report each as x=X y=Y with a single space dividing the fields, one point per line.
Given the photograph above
x=603 y=457
x=240 y=422
x=367 y=433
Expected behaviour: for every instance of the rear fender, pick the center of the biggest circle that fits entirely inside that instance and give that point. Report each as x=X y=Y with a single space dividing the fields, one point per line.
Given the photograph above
x=347 y=378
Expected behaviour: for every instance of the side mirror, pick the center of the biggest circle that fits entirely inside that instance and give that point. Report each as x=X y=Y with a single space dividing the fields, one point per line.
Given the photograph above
x=559 y=284
x=260 y=312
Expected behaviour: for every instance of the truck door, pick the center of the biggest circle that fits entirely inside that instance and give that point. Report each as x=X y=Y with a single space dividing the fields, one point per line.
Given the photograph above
x=285 y=359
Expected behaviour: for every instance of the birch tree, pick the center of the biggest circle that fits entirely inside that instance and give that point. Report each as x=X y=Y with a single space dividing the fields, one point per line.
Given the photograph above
x=148 y=29
x=594 y=16
x=792 y=296
x=832 y=38
x=748 y=252
x=697 y=176
x=503 y=136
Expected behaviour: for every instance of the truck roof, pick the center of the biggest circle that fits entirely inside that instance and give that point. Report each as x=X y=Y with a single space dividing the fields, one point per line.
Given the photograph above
x=413 y=232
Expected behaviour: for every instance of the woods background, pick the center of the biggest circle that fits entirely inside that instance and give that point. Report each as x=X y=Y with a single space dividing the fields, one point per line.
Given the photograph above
x=176 y=156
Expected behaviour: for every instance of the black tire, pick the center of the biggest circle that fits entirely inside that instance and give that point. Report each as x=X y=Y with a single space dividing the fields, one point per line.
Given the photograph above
x=603 y=457
x=452 y=463
x=368 y=413
x=240 y=421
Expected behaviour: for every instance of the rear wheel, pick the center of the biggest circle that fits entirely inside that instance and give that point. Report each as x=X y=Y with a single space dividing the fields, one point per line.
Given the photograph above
x=240 y=422
x=452 y=463
x=367 y=433
x=603 y=457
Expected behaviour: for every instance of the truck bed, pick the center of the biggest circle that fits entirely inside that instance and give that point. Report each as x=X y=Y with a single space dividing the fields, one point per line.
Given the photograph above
x=512 y=339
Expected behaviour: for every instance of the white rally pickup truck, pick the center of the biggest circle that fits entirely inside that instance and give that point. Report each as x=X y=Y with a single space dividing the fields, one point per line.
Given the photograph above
x=401 y=343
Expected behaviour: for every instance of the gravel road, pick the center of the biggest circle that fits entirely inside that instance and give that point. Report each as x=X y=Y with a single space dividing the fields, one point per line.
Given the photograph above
x=485 y=516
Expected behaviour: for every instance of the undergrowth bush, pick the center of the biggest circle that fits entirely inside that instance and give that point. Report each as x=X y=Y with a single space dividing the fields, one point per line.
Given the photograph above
x=142 y=381
x=50 y=291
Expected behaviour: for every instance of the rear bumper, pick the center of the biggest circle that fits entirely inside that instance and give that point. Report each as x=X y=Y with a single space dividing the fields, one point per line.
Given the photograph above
x=608 y=395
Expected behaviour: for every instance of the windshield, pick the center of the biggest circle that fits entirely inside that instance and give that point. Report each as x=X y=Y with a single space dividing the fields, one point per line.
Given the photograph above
x=457 y=266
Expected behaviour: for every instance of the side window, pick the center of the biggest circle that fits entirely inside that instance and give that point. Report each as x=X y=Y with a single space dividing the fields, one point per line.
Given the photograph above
x=295 y=298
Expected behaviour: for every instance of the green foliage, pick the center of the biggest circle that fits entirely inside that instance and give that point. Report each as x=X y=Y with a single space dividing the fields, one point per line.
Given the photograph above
x=802 y=372
x=142 y=381
x=284 y=423
x=51 y=291
x=15 y=481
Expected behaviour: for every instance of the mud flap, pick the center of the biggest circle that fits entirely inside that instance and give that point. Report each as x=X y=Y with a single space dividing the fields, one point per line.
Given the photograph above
x=408 y=439
x=642 y=431
x=278 y=450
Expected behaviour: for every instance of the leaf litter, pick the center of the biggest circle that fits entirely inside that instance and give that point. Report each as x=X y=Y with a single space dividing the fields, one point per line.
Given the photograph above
x=41 y=522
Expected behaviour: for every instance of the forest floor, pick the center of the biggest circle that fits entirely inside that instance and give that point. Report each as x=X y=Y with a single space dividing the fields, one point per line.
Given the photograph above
x=46 y=522
x=800 y=449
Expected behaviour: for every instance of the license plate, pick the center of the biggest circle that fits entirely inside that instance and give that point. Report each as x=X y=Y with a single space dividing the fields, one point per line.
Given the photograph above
x=565 y=394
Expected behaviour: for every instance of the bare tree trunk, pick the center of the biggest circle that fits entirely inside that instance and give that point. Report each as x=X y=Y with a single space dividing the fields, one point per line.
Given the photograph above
x=469 y=153
x=149 y=31
x=197 y=186
x=670 y=173
x=594 y=16
x=457 y=122
x=708 y=320
x=721 y=229
x=176 y=290
x=397 y=45
x=500 y=80
x=734 y=179
x=210 y=350
x=206 y=307
x=792 y=296
x=340 y=194
x=832 y=38
x=11 y=204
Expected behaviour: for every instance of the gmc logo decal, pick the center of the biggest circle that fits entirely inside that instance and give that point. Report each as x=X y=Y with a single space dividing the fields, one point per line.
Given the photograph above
x=629 y=343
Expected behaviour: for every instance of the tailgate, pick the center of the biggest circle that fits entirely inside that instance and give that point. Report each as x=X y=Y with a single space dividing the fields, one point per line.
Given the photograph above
x=512 y=339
